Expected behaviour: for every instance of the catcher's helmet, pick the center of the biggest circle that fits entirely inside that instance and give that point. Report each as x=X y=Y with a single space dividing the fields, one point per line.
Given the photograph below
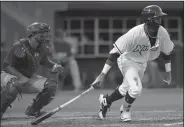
x=151 y=12
x=42 y=30
x=42 y=33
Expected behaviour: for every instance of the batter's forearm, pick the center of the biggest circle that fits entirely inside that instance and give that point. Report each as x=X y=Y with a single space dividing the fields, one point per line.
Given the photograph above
x=13 y=71
x=167 y=62
x=110 y=62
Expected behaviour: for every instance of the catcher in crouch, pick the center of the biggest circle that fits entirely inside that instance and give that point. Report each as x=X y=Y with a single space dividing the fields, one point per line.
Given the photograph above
x=132 y=51
x=20 y=65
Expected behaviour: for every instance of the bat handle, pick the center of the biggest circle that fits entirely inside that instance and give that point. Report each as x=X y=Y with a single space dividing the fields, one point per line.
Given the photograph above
x=67 y=103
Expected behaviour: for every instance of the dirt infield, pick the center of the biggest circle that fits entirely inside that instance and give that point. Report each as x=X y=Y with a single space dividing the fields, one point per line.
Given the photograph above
x=155 y=107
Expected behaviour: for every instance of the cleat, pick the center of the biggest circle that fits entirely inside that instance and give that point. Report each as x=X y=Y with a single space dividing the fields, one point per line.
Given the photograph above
x=29 y=112
x=125 y=115
x=103 y=106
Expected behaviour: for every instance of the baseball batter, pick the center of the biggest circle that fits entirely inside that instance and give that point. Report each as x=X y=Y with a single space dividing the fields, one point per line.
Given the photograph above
x=20 y=66
x=132 y=50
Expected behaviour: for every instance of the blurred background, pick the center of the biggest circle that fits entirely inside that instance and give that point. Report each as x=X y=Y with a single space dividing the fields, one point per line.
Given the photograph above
x=83 y=34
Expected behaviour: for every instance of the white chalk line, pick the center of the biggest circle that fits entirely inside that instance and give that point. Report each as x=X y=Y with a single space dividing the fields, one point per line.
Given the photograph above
x=172 y=124
x=151 y=124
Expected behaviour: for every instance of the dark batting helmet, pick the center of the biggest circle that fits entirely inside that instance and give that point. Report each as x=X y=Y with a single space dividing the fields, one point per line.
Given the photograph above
x=151 y=13
x=41 y=30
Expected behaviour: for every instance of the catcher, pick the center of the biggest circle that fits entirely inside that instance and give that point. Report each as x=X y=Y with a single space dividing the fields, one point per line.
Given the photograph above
x=20 y=66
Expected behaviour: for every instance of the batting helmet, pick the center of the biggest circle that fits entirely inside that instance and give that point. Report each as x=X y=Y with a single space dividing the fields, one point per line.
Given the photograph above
x=42 y=30
x=151 y=12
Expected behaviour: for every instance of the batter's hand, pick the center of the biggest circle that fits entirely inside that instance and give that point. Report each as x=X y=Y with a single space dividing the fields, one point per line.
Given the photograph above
x=167 y=77
x=98 y=83
x=57 y=68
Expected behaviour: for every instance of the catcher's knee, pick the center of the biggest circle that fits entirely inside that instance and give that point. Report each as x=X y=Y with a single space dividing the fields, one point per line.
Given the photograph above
x=47 y=94
x=12 y=87
x=9 y=93
x=51 y=86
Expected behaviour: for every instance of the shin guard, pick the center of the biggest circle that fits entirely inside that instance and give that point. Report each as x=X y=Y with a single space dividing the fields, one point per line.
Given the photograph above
x=44 y=97
x=8 y=95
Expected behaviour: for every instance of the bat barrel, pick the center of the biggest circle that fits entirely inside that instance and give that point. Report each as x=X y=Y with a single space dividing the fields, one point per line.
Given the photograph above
x=49 y=114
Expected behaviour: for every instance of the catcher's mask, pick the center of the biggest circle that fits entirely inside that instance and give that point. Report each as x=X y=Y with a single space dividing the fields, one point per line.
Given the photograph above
x=152 y=15
x=42 y=34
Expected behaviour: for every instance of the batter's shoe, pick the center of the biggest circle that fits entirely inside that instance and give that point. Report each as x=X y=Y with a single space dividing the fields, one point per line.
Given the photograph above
x=103 y=106
x=125 y=114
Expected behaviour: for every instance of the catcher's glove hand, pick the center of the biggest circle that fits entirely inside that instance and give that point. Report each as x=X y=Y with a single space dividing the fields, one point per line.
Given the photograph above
x=57 y=68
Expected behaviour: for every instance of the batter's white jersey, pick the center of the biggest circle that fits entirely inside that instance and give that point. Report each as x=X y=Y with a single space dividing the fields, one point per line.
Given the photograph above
x=135 y=44
x=135 y=50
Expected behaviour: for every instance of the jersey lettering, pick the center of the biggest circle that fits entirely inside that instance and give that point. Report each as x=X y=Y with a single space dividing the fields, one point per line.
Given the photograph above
x=140 y=48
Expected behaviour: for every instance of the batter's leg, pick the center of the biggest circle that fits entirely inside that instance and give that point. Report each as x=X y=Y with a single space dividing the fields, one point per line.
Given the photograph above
x=118 y=93
x=107 y=100
x=135 y=87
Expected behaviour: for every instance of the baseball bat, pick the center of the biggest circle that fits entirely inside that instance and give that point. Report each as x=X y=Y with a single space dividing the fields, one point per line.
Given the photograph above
x=52 y=112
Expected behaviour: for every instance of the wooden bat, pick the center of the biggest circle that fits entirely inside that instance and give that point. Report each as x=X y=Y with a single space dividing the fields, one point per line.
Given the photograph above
x=52 y=112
